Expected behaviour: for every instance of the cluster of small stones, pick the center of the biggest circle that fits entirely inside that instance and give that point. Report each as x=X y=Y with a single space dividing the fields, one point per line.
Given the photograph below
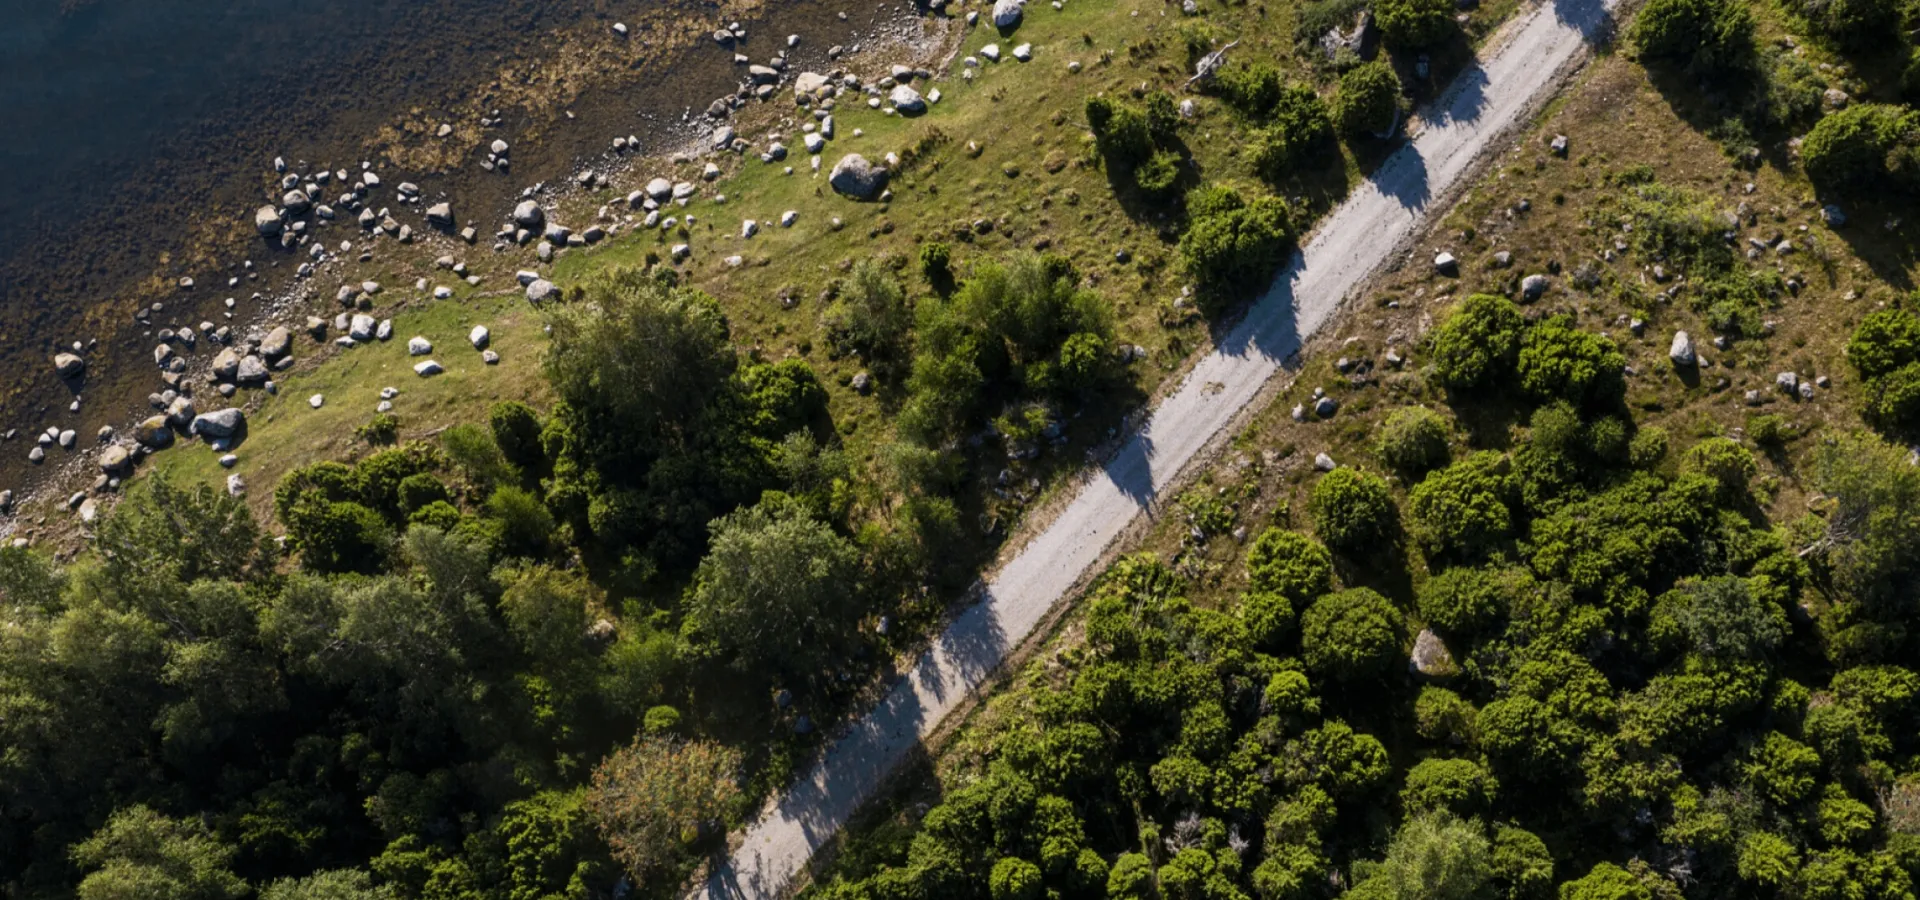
x=307 y=201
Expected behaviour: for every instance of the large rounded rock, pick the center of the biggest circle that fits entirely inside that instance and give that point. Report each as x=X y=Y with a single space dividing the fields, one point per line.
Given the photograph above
x=154 y=432
x=529 y=215
x=252 y=370
x=907 y=100
x=68 y=365
x=277 y=343
x=180 y=412
x=296 y=202
x=1533 y=287
x=221 y=423
x=266 y=220
x=854 y=177
x=113 y=460
x=1681 y=351
x=541 y=290
x=226 y=364
x=441 y=214
x=1430 y=656
x=1007 y=13
x=809 y=83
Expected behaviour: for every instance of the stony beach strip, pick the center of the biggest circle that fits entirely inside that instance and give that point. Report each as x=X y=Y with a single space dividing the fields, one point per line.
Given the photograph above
x=340 y=223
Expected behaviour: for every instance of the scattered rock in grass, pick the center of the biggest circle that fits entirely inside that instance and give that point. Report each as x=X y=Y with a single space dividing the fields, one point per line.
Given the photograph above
x=854 y=177
x=479 y=337
x=1682 y=351
x=221 y=423
x=428 y=368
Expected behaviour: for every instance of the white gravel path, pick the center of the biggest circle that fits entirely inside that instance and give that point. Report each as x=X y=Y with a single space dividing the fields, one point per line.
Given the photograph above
x=1534 y=55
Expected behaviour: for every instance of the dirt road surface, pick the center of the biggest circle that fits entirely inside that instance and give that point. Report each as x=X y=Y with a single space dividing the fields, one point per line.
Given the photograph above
x=1531 y=58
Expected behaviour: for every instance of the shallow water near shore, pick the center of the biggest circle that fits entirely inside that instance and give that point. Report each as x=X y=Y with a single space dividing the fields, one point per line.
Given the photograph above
x=141 y=135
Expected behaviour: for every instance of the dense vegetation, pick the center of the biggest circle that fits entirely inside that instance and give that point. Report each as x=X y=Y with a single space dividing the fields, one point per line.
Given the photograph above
x=537 y=657
x=1626 y=683
x=556 y=654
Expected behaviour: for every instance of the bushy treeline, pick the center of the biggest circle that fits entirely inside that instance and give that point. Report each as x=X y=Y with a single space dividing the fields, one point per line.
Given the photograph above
x=547 y=655
x=1852 y=145
x=1594 y=670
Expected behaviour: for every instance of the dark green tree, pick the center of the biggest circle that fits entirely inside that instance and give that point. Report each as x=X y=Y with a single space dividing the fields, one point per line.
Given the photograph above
x=777 y=593
x=1351 y=635
x=1352 y=511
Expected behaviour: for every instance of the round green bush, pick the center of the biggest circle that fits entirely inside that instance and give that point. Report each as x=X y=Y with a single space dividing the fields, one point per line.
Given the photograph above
x=1352 y=511
x=1289 y=564
x=1853 y=24
x=1648 y=448
x=1299 y=134
x=1884 y=341
x=1231 y=244
x=1253 y=87
x=339 y=537
x=1462 y=509
x=1477 y=344
x=438 y=514
x=421 y=489
x=516 y=428
x=1119 y=130
x=1014 y=878
x=1724 y=461
x=661 y=720
x=1560 y=361
x=1412 y=441
x=1465 y=601
x=1351 y=635
x=936 y=260
x=1368 y=102
x=1410 y=24
x=1711 y=34
x=1159 y=174
x=1458 y=786
x=1859 y=146
x=1893 y=399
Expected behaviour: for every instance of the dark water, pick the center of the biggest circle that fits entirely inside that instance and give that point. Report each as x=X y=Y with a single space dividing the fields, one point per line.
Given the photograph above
x=138 y=136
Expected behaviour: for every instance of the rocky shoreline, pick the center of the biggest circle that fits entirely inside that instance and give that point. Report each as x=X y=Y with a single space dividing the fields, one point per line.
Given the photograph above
x=343 y=223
